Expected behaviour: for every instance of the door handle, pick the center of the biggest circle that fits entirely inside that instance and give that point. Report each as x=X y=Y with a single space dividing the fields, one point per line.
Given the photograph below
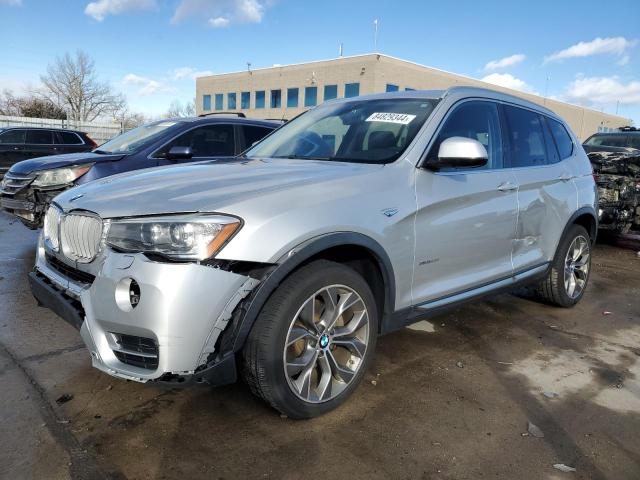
x=507 y=187
x=565 y=177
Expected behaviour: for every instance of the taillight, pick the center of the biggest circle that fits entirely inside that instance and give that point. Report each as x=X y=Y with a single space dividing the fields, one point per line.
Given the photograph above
x=92 y=144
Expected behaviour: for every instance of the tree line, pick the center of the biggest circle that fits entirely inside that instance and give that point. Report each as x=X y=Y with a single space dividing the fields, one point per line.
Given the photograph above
x=71 y=90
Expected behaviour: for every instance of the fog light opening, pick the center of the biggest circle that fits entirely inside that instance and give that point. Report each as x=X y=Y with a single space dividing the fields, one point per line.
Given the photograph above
x=134 y=294
x=127 y=294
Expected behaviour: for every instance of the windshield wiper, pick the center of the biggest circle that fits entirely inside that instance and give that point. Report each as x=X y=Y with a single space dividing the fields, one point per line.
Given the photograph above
x=101 y=152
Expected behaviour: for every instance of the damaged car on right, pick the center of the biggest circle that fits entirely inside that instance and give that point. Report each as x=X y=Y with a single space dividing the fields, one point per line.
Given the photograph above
x=617 y=175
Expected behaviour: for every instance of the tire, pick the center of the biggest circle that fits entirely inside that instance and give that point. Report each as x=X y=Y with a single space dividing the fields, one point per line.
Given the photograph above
x=334 y=362
x=554 y=289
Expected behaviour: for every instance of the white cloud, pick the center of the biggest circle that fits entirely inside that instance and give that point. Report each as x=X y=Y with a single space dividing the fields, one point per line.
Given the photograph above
x=508 y=81
x=189 y=72
x=599 y=46
x=219 y=22
x=603 y=90
x=504 y=62
x=11 y=3
x=146 y=86
x=100 y=9
x=624 y=61
x=222 y=13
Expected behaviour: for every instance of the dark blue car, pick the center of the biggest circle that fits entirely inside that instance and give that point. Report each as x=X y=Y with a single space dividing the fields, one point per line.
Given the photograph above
x=29 y=186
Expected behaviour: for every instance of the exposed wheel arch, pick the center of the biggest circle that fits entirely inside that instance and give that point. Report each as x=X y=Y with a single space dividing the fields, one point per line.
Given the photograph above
x=362 y=253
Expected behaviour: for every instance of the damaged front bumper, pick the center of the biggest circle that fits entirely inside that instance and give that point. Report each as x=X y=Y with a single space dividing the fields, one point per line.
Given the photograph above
x=168 y=333
x=19 y=198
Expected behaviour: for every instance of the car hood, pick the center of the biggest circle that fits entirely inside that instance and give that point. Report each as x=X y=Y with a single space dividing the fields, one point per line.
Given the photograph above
x=204 y=186
x=58 y=161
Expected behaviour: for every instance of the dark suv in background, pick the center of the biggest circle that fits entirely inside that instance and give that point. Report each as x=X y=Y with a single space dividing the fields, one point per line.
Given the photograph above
x=21 y=143
x=29 y=186
x=624 y=140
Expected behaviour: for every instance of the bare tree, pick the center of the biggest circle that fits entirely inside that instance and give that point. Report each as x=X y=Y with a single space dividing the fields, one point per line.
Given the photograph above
x=129 y=119
x=29 y=105
x=72 y=83
x=10 y=104
x=178 y=109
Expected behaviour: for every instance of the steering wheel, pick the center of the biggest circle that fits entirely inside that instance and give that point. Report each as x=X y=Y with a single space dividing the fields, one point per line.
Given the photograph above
x=310 y=144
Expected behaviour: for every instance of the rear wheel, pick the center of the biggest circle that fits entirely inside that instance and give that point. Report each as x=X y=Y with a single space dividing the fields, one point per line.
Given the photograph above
x=568 y=276
x=313 y=340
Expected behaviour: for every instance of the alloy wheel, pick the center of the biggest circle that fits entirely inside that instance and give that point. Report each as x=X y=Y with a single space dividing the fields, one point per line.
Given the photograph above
x=576 y=267
x=326 y=343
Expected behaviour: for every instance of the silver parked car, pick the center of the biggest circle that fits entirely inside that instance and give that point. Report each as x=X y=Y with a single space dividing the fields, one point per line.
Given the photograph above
x=359 y=217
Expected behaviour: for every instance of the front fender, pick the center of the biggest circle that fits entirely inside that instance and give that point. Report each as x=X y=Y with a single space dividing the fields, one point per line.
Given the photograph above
x=245 y=316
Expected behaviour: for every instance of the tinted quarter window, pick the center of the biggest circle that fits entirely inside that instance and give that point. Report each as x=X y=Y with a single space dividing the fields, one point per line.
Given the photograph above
x=476 y=120
x=39 y=137
x=562 y=138
x=553 y=155
x=12 y=136
x=252 y=134
x=67 y=138
x=526 y=138
x=205 y=141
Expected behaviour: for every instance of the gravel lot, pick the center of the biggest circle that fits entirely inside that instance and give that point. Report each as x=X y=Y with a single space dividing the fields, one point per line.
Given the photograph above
x=445 y=399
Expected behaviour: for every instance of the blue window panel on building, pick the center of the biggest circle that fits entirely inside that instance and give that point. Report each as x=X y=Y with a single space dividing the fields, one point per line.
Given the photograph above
x=245 y=100
x=206 y=103
x=392 y=88
x=310 y=96
x=292 y=97
x=260 y=99
x=219 y=101
x=231 y=101
x=276 y=98
x=351 y=90
x=330 y=92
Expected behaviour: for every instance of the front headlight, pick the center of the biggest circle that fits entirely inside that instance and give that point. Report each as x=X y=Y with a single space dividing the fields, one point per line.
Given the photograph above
x=60 y=176
x=189 y=237
x=51 y=225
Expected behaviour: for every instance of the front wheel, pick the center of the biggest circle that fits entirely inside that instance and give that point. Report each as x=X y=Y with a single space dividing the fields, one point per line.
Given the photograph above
x=568 y=276
x=313 y=340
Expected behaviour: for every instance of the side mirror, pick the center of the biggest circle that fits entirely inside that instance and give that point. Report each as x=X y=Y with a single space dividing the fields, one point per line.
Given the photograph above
x=460 y=152
x=180 y=153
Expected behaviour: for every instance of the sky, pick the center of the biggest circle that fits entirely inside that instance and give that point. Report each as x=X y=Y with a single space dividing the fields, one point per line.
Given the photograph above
x=152 y=50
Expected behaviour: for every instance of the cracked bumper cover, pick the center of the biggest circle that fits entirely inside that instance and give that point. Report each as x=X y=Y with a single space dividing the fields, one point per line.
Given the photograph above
x=183 y=307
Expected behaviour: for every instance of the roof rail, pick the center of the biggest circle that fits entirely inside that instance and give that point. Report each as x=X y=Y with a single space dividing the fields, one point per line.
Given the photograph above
x=628 y=129
x=239 y=114
x=283 y=120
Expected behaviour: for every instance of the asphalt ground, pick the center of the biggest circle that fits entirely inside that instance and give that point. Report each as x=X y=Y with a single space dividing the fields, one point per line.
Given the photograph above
x=451 y=398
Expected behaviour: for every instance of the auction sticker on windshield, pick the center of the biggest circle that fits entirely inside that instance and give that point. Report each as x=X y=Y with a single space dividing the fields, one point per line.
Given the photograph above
x=401 y=118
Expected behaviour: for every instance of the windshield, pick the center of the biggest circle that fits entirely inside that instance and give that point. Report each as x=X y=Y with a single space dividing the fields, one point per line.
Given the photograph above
x=366 y=131
x=135 y=139
x=608 y=141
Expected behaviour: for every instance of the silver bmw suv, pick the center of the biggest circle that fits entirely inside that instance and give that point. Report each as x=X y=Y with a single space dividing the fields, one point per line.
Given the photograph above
x=283 y=265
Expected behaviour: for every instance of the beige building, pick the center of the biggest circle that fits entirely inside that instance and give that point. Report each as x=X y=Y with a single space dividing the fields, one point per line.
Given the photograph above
x=284 y=91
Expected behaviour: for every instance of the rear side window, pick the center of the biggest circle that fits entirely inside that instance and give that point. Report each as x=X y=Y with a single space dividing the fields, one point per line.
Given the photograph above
x=39 y=137
x=526 y=138
x=67 y=138
x=253 y=133
x=12 y=136
x=562 y=138
x=478 y=121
